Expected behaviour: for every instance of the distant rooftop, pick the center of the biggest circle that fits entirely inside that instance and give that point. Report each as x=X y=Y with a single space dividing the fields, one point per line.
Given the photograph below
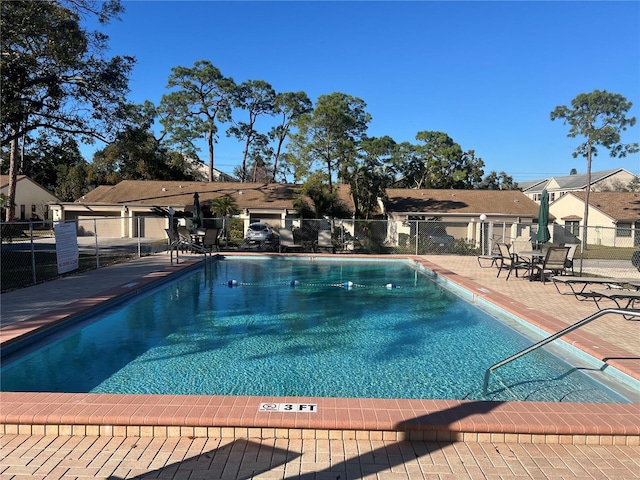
x=567 y=182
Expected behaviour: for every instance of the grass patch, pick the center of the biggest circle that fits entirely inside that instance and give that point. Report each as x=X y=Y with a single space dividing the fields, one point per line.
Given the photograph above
x=602 y=252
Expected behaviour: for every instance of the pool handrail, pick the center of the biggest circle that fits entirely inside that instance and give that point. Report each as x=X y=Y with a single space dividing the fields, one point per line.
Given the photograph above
x=625 y=312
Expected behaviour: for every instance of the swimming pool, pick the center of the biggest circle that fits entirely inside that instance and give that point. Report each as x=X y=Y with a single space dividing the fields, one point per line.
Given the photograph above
x=292 y=327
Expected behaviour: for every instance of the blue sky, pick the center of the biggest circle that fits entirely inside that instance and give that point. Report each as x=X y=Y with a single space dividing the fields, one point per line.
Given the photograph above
x=486 y=73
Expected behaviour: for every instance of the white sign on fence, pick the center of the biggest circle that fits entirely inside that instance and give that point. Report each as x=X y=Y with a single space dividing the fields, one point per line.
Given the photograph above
x=66 y=246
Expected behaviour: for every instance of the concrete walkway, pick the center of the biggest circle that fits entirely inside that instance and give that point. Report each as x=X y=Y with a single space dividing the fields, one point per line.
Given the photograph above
x=22 y=304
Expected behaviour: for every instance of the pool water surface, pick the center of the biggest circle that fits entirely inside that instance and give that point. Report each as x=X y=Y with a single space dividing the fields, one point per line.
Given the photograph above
x=297 y=327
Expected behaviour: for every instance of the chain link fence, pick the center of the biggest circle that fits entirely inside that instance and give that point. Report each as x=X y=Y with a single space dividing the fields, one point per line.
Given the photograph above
x=29 y=248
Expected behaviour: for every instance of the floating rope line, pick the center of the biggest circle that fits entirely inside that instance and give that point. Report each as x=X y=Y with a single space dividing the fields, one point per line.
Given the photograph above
x=348 y=285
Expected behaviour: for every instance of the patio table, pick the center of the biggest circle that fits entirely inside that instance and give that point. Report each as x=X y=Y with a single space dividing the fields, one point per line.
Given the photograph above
x=197 y=237
x=532 y=257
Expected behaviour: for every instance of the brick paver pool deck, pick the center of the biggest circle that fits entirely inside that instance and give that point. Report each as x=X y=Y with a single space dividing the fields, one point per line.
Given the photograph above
x=174 y=437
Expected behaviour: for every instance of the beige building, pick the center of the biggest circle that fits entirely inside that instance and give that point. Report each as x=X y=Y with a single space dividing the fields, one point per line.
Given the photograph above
x=614 y=217
x=127 y=208
x=31 y=200
x=501 y=215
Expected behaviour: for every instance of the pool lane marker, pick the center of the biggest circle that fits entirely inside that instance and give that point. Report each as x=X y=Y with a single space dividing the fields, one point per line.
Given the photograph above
x=348 y=285
x=289 y=407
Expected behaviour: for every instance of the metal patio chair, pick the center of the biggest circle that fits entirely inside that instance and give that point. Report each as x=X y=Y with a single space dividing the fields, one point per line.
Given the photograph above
x=553 y=262
x=510 y=261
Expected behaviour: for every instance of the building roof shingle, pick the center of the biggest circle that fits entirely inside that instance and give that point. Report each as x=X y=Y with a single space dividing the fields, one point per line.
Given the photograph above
x=180 y=194
x=468 y=202
x=621 y=206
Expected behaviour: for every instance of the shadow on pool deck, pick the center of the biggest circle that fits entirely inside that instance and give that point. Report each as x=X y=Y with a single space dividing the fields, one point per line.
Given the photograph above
x=258 y=459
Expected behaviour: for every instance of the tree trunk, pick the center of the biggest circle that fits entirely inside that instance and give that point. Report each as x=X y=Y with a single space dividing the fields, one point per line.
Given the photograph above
x=276 y=158
x=13 y=178
x=210 y=141
x=585 y=221
x=245 y=153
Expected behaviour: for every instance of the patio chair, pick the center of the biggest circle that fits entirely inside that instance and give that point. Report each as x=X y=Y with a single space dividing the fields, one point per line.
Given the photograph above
x=325 y=242
x=184 y=233
x=554 y=262
x=570 y=255
x=510 y=261
x=287 y=242
x=211 y=239
x=519 y=246
x=178 y=242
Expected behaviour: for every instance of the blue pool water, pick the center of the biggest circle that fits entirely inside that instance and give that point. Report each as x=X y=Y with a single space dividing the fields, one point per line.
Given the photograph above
x=292 y=327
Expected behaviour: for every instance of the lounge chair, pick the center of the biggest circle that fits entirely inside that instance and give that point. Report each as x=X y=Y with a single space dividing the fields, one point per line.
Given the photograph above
x=578 y=286
x=554 y=261
x=325 y=242
x=491 y=259
x=287 y=242
x=623 y=298
x=510 y=261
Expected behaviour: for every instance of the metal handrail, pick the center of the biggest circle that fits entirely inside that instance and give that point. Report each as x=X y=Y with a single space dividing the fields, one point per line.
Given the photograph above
x=619 y=311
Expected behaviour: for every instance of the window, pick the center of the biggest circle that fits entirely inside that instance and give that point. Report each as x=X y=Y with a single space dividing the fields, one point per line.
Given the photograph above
x=623 y=229
x=572 y=226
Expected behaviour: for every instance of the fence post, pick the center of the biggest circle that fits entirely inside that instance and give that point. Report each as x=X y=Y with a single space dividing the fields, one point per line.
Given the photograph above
x=417 y=234
x=483 y=234
x=139 y=245
x=95 y=234
x=33 y=254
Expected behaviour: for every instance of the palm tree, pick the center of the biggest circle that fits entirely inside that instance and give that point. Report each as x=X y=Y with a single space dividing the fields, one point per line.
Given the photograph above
x=225 y=206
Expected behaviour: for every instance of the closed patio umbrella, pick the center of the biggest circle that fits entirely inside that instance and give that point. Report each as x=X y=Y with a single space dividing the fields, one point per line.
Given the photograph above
x=196 y=211
x=542 y=235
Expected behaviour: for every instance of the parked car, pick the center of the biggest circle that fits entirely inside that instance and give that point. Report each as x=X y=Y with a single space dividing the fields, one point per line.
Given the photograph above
x=260 y=232
x=438 y=234
x=441 y=239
